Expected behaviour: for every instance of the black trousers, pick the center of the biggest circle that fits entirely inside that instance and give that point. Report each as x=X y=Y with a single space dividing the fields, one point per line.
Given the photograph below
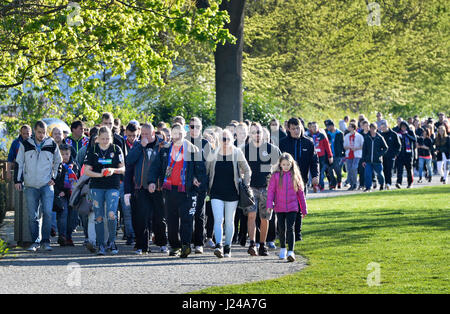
x=143 y=213
x=199 y=220
x=404 y=161
x=159 y=219
x=388 y=165
x=286 y=223
x=240 y=225
x=180 y=209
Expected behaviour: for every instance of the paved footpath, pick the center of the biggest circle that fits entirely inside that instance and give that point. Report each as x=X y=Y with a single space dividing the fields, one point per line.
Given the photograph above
x=75 y=270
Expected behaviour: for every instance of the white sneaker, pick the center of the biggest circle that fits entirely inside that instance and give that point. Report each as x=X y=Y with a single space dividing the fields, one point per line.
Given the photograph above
x=210 y=244
x=291 y=256
x=46 y=247
x=199 y=250
x=33 y=247
x=388 y=186
x=283 y=252
x=164 y=249
x=138 y=252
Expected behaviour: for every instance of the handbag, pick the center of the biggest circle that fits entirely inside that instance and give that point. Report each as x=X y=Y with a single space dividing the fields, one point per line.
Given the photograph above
x=246 y=197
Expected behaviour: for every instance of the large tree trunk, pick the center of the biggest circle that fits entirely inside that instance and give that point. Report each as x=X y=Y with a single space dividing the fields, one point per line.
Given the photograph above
x=228 y=60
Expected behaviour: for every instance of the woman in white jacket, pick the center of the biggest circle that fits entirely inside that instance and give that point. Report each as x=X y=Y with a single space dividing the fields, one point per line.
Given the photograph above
x=353 y=144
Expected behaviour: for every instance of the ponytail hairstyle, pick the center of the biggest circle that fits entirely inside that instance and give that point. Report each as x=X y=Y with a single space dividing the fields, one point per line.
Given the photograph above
x=297 y=181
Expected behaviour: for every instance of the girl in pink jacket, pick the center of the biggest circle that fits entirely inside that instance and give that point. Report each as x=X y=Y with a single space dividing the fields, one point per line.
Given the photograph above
x=284 y=195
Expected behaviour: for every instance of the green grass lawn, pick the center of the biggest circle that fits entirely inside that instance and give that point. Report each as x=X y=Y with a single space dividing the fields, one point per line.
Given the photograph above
x=405 y=231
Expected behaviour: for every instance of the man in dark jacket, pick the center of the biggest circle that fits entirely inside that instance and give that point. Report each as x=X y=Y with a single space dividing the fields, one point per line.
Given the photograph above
x=374 y=148
x=302 y=149
x=181 y=169
x=394 y=147
x=336 y=139
x=148 y=212
x=405 y=158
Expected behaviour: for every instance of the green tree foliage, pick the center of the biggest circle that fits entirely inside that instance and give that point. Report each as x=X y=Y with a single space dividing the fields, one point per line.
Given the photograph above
x=325 y=55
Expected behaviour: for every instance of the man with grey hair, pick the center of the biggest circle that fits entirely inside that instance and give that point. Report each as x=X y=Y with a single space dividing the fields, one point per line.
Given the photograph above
x=394 y=146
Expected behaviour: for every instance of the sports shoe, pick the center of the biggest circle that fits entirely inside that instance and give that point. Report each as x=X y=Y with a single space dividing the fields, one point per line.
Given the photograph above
x=175 y=252
x=252 y=250
x=388 y=186
x=33 y=247
x=409 y=186
x=185 y=251
x=291 y=256
x=91 y=247
x=138 y=252
x=339 y=186
x=210 y=243
x=271 y=246
x=62 y=241
x=398 y=186
x=283 y=252
x=199 y=250
x=381 y=187
x=227 y=251
x=46 y=247
x=420 y=180
x=218 y=251
x=262 y=251
x=367 y=190
x=113 y=248
x=101 y=250
x=164 y=249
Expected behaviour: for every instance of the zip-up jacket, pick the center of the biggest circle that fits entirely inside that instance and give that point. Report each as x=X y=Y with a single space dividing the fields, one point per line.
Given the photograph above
x=374 y=148
x=338 y=145
x=302 y=150
x=37 y=167
x=393 y=142
x=322 y=145
x=195 y=167
x=284 y=197
x=407 y=139
x=59 y=182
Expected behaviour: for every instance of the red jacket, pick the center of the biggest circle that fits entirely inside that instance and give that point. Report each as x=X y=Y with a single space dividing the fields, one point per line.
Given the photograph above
x=322 y=145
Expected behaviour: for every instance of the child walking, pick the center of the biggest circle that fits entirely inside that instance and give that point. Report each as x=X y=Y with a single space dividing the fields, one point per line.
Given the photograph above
x=285 y=195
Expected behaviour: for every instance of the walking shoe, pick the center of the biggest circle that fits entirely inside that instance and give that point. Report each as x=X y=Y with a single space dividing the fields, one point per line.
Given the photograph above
x=185 y=251
x=62 y=241
x=138 y=252
x=291 y=256
x=381 y=187
x=283 y=252
x=442 y=179
x=113 y=248
x=199 y=250
x=243 y=241
x=420 y=180
x=398 y=186
x=91 y=247
x=69 y=242
x=210 y=243
x=271 y=245
x=46 y=246
x=388 y=186
x=164 y=249
x=339 y=186
x=409 y=186
x=374 y=185
x=101 y=250
x=367 y=190
x=227 y=251
x=218 y=251
x=252 y=250
x=429 y=178
x=262 y=251
x=175 y=252
x=33 y=247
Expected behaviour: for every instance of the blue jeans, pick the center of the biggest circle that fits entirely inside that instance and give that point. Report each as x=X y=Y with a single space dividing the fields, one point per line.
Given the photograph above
x=105 y=203
x=370 y=167
x=427 y=162
x=352 y=170
x=126 y=210
x=44 y=195
x=67 y=220
x=221 y=210
x=325 y=169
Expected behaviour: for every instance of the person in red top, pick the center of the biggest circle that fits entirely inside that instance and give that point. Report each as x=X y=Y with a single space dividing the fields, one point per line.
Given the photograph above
x=323 y=150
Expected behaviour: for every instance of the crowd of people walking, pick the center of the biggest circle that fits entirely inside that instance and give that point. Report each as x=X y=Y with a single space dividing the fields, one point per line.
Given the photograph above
x=183 y=187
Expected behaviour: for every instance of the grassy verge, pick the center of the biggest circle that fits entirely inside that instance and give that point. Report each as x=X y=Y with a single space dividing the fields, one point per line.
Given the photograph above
x=406 y=232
